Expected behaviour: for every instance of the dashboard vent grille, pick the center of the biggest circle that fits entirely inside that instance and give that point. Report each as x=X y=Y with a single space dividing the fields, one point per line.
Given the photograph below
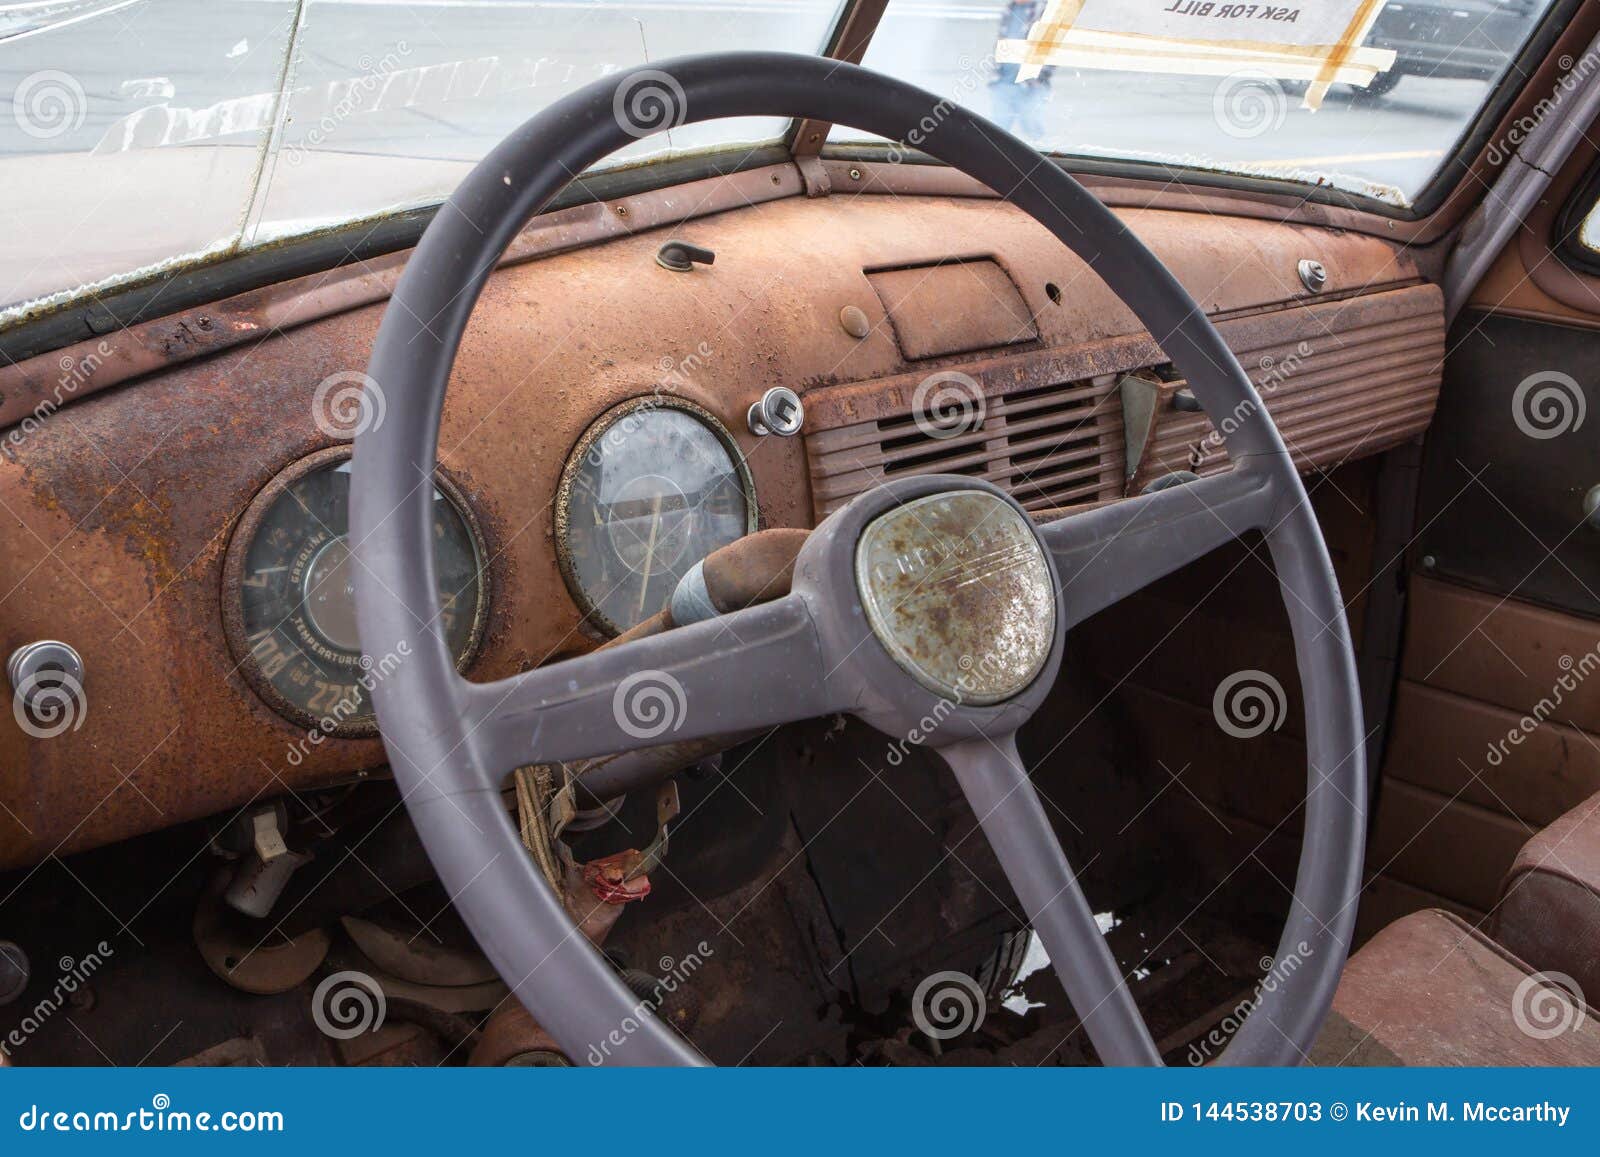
x=1049 y=446
x=1342 y=379
x=1362 y=377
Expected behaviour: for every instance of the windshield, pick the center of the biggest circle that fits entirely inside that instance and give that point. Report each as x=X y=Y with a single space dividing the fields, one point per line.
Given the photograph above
x=152 y=134
x=149 y=133
x=1368 y=97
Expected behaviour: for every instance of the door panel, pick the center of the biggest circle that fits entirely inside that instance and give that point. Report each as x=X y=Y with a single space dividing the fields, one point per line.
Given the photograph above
x=1496 y=721
x=1510 y=456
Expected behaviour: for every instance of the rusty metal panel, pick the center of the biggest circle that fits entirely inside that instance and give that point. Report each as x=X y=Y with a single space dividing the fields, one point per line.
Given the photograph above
x=953 y=308
x=122 y=506
x=1342 y=380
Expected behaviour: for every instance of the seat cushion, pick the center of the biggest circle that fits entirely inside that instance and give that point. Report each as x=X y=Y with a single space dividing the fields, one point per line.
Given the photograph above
x=1432 y=990
x=1549 y=907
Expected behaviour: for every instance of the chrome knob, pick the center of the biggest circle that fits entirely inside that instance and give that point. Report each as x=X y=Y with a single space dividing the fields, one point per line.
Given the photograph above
x=779 y=412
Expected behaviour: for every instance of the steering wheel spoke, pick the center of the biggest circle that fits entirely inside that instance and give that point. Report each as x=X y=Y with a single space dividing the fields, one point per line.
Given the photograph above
x=751 y=669
x=1013 y=818
x=1104 y=555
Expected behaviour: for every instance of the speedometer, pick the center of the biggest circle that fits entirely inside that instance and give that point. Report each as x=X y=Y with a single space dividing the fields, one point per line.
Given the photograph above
x=653 y=486
x=289 y=603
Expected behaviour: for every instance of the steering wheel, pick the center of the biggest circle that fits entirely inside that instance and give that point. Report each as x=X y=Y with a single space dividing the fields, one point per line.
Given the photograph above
x=933 y=597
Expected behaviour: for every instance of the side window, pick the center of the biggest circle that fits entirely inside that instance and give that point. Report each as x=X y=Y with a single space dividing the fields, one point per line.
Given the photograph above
x=1589 y=231
x=1577 y=237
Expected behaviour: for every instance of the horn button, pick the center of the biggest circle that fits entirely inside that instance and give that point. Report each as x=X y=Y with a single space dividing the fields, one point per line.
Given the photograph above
x=957 y=589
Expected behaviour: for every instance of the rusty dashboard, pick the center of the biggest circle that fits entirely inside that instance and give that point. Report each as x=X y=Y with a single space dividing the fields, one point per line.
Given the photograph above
x=135 y=512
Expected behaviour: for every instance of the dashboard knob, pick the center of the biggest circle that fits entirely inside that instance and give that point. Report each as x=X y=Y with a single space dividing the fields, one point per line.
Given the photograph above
x=779 y=412
x=682 y=257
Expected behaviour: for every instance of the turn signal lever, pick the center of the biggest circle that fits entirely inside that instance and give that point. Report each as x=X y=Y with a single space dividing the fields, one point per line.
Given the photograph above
x=756 y=569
